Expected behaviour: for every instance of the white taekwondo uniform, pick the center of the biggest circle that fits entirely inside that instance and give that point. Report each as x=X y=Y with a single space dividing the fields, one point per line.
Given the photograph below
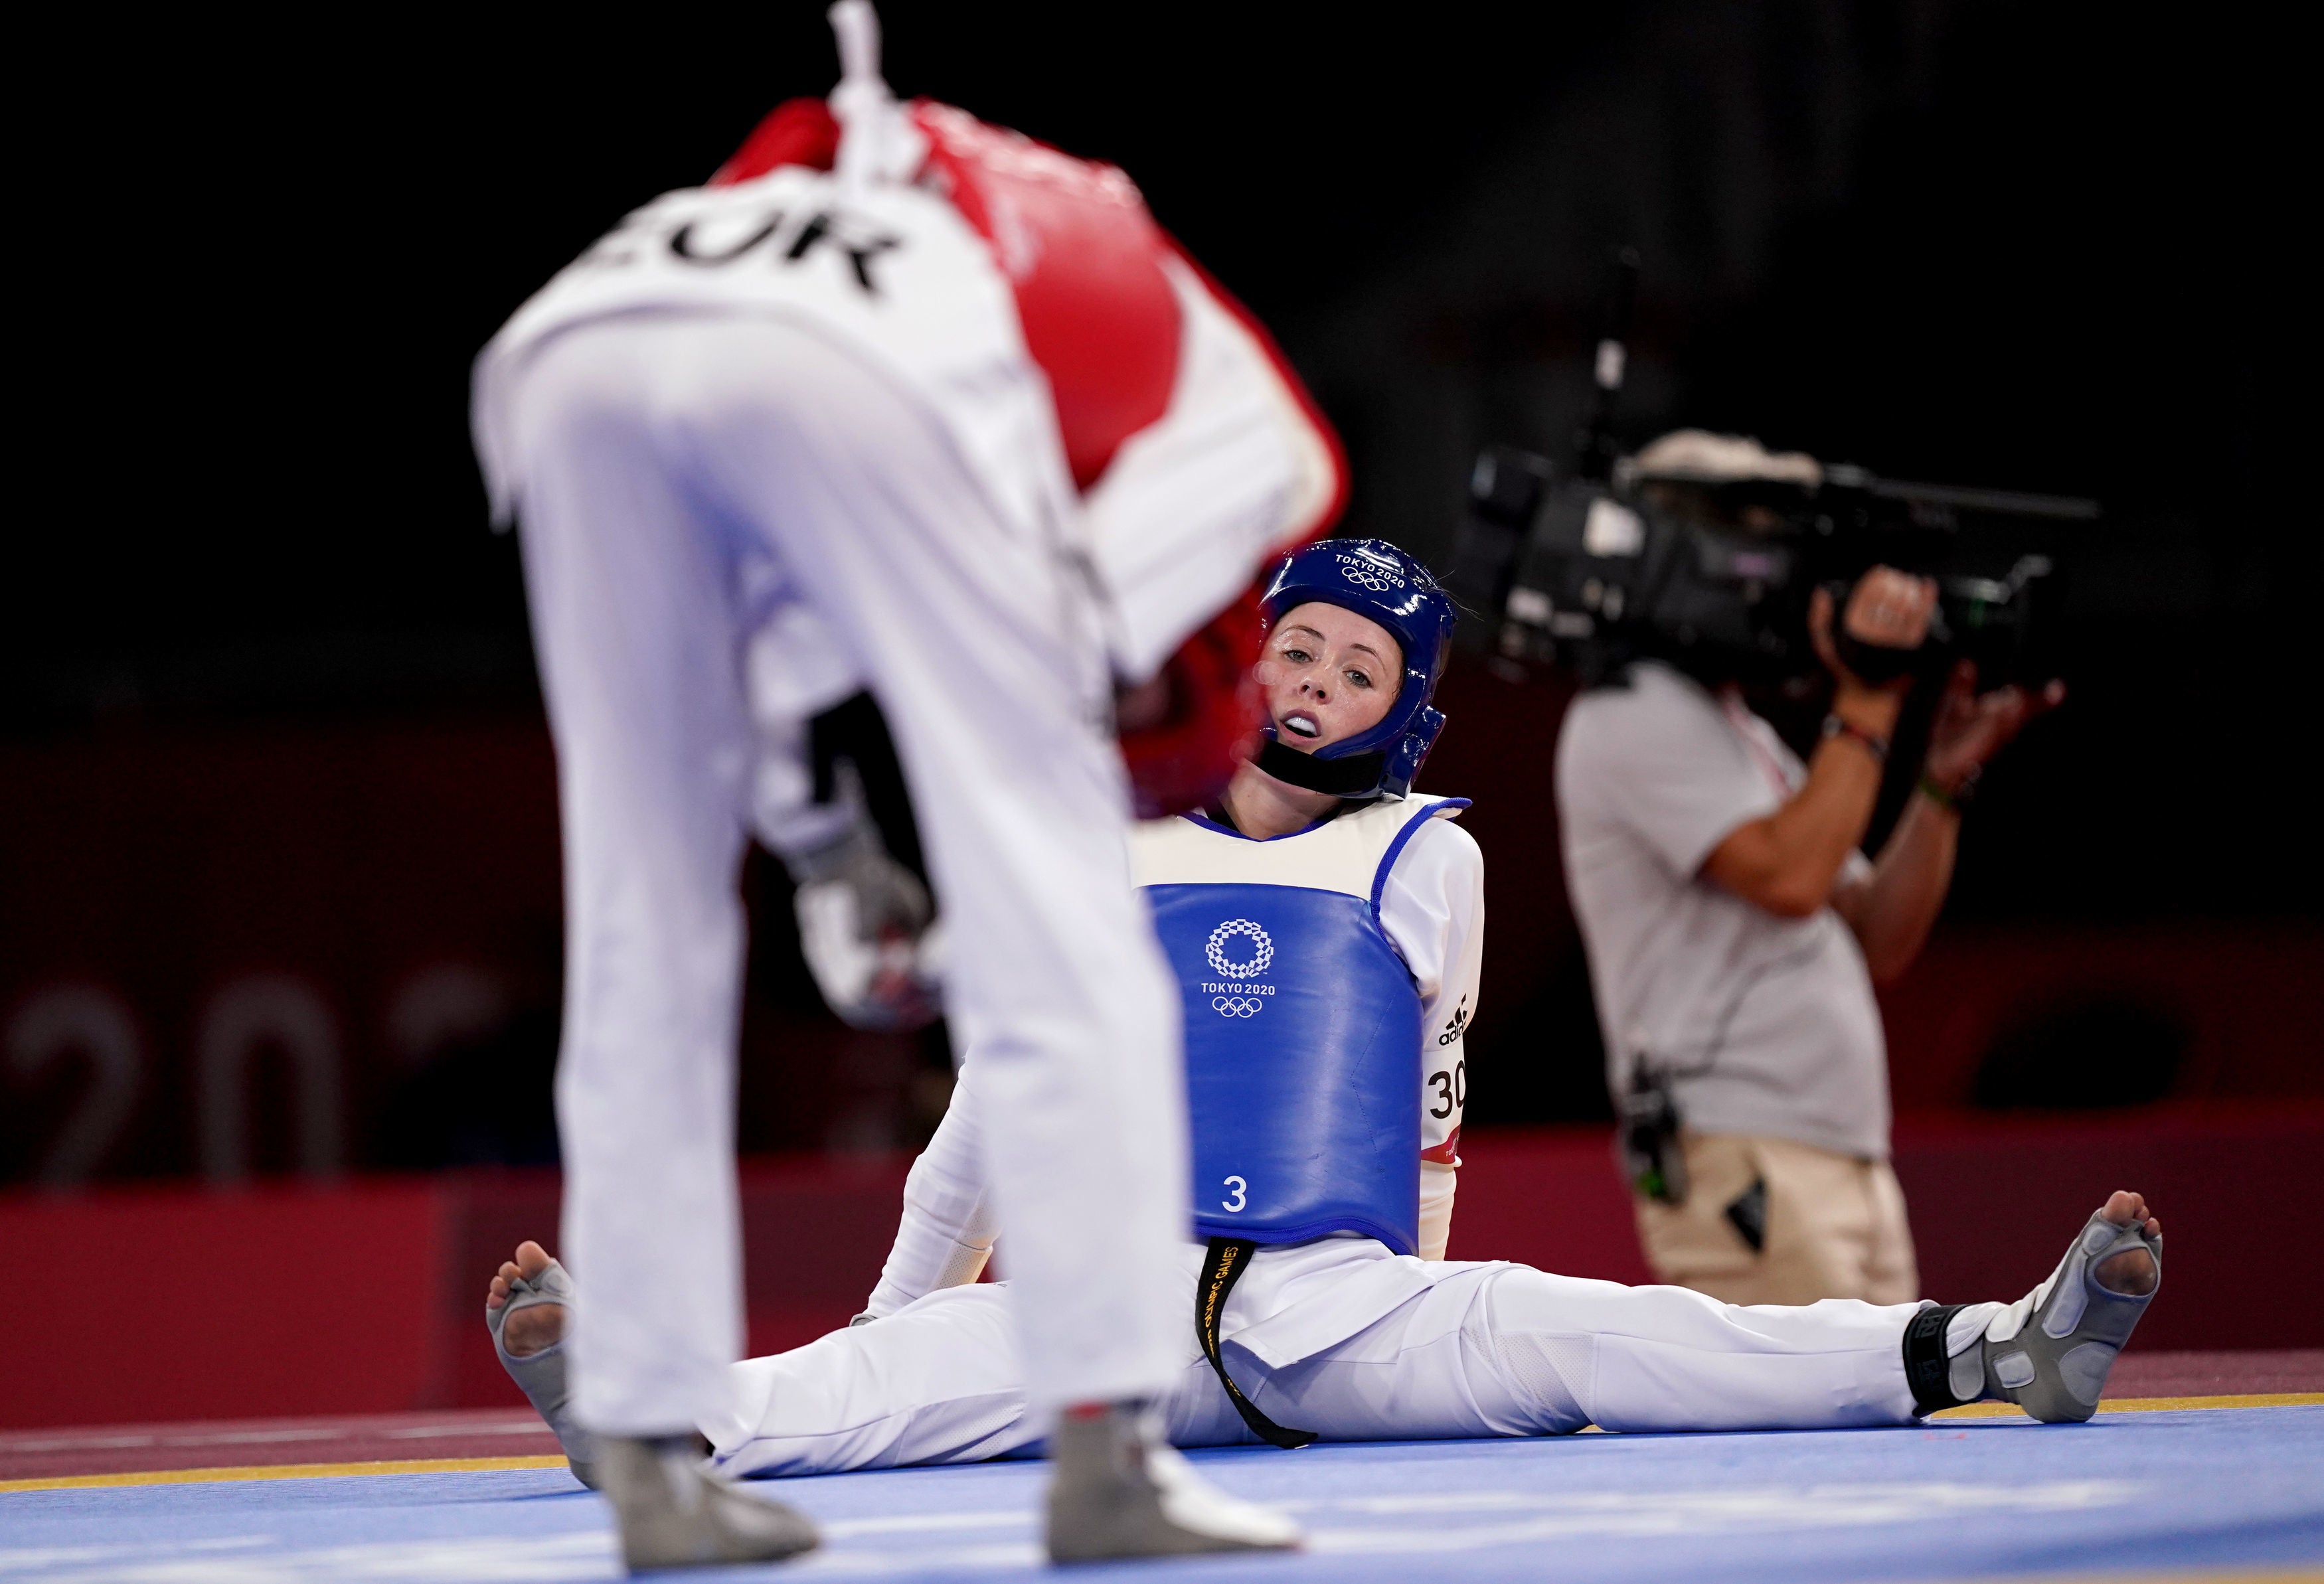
x=1337 y=1335
x=802 y=409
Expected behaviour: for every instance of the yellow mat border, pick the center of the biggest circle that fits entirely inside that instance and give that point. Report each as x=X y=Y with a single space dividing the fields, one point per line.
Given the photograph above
x=2179 y=1575
x=2151 y=1404
x=282 y=1471
x=483 y=1465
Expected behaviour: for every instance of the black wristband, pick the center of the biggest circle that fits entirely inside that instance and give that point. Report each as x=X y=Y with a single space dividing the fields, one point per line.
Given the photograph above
x=1834 y=726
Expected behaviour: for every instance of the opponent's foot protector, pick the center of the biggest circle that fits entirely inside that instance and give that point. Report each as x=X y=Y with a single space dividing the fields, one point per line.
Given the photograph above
x=1120 y=1490
x=2051 y=1351
x=674 y=1513
x=540 y=1376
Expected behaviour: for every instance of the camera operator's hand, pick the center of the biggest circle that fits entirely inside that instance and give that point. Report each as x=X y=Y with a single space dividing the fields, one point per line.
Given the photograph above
x=1888 y=609
x=1971 y=727
x=1892 y=912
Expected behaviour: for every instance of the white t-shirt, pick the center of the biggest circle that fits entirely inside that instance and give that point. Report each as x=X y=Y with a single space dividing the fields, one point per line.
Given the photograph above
x=1766 y=1024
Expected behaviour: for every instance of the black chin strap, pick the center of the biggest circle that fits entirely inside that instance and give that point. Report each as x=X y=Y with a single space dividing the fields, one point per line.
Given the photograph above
x=1350 y=777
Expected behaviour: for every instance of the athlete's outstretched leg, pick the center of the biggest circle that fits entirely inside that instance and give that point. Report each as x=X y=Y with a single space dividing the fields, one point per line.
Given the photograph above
x=1509 y=1351
x=1671 y=1358
x=938 y=1381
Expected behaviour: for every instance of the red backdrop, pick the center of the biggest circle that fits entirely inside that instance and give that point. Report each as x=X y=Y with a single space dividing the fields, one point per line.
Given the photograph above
x=154 y=1304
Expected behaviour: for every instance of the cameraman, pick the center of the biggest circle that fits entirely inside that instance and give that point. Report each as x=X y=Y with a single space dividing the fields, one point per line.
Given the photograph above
x=1734 y=932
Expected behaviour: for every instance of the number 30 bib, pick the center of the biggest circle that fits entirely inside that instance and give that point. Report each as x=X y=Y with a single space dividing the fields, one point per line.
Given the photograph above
x=1303 y=1025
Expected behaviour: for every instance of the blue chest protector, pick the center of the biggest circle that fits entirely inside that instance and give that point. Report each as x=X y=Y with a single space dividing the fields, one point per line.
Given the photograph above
x=1303 y=1025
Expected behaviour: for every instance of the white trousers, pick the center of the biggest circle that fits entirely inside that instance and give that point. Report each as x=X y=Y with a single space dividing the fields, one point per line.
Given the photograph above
x=1484 y=1350
x=669 y=461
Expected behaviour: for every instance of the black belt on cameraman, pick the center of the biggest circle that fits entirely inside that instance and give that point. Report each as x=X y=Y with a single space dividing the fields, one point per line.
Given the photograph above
x=1223 y=1266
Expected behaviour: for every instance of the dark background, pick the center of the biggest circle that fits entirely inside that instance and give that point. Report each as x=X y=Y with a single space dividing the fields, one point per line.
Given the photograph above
x=268 y=709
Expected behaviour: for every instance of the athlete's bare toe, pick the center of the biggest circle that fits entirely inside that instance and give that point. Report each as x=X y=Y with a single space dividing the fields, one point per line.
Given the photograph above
x=503 y=1282
x=2133 y=1272
x=536 y=1326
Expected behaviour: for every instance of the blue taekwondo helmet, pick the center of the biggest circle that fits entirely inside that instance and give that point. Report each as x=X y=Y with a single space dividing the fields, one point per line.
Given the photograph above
x=1372 y=578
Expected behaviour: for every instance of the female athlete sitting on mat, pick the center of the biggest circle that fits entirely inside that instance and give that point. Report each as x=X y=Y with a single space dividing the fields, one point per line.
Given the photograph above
x=1326 y=926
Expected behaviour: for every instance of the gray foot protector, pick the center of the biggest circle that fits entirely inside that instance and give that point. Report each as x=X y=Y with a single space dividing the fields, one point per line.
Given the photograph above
x=2050 y=1351
x=1119 y=1490
x=676 y=1513
x=541 y=1376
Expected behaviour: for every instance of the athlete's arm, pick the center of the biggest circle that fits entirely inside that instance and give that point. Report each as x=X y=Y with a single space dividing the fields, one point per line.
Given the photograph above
x=1892 y=907
x=948 y=1229
x=1788 y=863
x=1433 y=910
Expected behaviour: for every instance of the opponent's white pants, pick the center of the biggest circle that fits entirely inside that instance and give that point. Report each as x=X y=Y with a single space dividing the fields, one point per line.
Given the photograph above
x=1484 y=1350
x=664 y=457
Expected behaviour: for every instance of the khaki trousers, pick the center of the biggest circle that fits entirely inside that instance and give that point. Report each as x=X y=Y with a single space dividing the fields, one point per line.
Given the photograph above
x=1835 y=1225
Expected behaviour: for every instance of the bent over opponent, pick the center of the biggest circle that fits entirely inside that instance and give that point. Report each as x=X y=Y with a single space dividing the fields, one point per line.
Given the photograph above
x=1324 y=925
x=944 y=413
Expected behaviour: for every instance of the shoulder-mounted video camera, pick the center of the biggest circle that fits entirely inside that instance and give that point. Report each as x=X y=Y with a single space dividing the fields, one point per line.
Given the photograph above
x=1710 y=566
x=1714 y=575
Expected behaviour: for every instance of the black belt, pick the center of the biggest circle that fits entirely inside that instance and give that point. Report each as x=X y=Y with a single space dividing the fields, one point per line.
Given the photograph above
x=1223 y=1267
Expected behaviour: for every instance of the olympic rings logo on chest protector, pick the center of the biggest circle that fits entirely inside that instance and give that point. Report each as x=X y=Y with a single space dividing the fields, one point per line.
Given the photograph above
x=1216 y=951
x=1237 y=1006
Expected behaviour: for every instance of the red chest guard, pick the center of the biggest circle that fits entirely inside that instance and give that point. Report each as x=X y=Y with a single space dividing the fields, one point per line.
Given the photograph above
x=1084 y=261
x=1081 y=254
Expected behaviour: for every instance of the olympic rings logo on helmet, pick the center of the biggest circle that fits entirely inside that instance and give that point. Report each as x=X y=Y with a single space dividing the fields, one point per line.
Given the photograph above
x=1217 y=954
x=1366 y=572
x=1237 y=1006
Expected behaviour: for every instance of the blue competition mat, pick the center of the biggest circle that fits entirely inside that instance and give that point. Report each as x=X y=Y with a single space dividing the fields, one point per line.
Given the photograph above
x=2151 y=1493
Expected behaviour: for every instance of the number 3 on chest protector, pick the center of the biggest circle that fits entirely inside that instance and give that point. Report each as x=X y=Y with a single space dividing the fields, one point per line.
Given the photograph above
x=1241 y=1189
